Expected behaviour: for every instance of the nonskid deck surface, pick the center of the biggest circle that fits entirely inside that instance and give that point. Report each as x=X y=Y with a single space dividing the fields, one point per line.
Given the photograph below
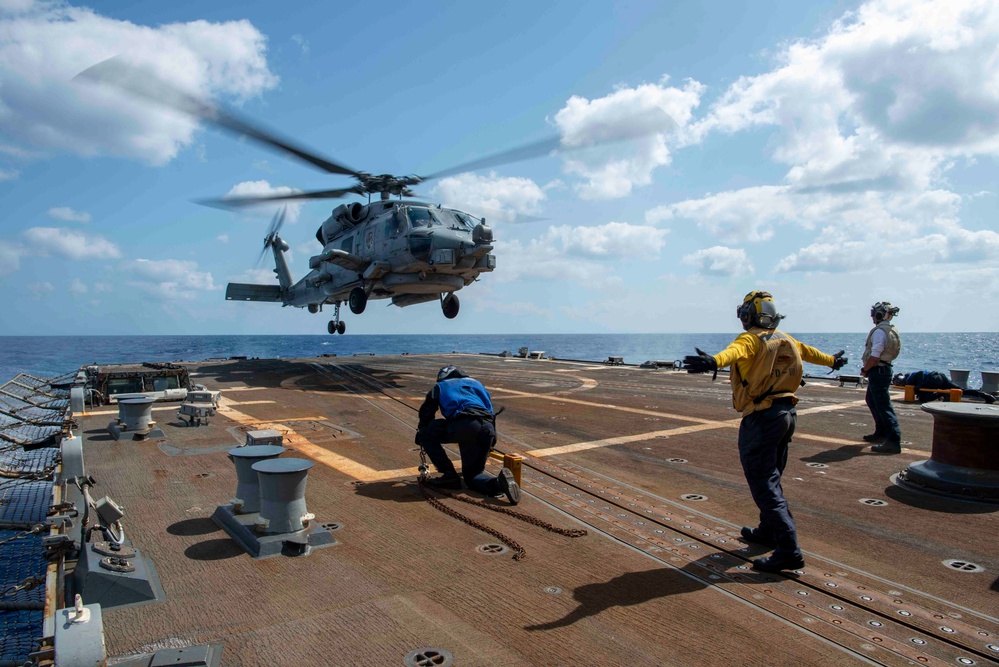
x=644 y=460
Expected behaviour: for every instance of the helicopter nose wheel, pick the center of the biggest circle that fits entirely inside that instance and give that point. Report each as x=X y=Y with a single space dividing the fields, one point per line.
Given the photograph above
x=357 y=300
x=450 y=306
x=335 y=326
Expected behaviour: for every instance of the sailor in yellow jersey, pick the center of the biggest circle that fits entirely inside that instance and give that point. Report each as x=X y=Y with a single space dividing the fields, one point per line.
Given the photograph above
x=766 y=373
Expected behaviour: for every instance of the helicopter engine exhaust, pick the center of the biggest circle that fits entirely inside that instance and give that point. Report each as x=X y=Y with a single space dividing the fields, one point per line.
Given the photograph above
x=353 y=212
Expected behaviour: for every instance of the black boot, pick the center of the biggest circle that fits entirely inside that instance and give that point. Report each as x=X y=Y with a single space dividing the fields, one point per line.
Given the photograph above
x=508 y=486
x=756 y=536
x=873 y=437
x=777 y=562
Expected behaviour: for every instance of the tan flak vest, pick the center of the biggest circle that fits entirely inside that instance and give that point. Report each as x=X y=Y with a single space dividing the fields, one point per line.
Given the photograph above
x=892 y=347
x=774 y=372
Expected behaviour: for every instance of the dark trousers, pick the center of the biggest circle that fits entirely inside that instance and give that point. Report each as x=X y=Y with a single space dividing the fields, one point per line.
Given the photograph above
x=763 y=440
x=879 y=402
x=475 y=437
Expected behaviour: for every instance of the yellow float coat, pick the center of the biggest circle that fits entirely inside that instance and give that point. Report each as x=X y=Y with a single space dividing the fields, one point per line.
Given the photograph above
x=756 y=357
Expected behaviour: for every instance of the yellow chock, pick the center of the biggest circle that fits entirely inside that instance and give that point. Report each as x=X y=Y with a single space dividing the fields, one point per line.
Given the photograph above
x=910 y=394
x=955 y=395
x=512 y=461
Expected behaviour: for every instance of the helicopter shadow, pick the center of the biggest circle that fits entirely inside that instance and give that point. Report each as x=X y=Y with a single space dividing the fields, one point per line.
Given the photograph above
x=274 y=373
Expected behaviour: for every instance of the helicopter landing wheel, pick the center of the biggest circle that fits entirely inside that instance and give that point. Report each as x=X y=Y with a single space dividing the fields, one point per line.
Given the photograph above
x=450 y=306
x=357 y=300
x=341 y=327
x=331 y=327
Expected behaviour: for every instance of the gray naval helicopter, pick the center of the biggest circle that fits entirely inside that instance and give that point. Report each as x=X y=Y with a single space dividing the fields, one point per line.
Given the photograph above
x=400 y=249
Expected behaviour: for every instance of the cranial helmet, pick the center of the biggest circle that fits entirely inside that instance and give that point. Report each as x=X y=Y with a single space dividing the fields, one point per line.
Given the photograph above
x=449 y=372
x=758 y=310
x=883 y=310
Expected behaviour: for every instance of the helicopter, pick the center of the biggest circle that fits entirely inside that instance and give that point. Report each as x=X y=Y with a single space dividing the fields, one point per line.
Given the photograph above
x=401 y=249
x=406 y=251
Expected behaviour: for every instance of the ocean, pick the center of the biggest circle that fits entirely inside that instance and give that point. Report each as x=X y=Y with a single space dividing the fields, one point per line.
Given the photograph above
x=49 y=356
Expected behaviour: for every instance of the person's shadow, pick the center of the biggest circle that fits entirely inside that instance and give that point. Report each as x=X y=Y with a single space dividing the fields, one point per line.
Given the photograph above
x=844 y=453
x=634 y=588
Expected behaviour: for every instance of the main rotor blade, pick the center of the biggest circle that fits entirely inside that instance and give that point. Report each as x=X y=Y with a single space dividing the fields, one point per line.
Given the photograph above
x=236 y=202
x=146 y=85
x=526 y=152
x=644 y=123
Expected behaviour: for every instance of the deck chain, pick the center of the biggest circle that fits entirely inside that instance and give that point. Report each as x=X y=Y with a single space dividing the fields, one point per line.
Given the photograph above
x=527 y=518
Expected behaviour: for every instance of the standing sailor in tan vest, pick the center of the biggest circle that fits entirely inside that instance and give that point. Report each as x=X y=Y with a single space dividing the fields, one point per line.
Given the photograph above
x=766 y=373
x=882 y=347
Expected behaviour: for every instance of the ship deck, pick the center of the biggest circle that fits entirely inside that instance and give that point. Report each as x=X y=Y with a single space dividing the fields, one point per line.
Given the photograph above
x=644 y=460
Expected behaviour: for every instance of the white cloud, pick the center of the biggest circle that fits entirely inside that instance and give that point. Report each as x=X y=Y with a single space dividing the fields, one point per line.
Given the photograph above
x=40 y=290
x=492 y=197
x=262 y=189
x=720 y=261
x=9 y=174
x=256 y=277
x=613 y=240
x=69 y=243
x=637 y=121
x=10 y=257
x=77 y=286
x=67 y=214
x=169 y=279
x=48 y=43
x=222 y=238
x=751 y=214
x=577 y=253
x=884 y=100
x=302 y=43
x=834 y=258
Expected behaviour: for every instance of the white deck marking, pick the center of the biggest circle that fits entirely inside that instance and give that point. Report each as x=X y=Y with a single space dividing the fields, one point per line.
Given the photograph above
x=683 y=430
x=365 y=473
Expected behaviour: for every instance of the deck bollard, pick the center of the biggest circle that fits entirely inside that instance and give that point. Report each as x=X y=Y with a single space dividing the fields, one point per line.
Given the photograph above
x=247 y=498
x=990 y=382
x=959 y=377
x=964 y=461
x=135 y=414
x=282 y=495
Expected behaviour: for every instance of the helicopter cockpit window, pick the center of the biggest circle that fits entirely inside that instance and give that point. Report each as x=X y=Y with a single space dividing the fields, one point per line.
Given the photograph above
x=423 y=217
x=395 y=225
x=464 y=220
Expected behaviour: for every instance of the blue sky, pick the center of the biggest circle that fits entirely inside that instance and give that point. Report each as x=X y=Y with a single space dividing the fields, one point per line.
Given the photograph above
x=835 y=154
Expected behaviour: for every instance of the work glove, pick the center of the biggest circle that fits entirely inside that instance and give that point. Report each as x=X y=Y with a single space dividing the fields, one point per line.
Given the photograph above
x=702 y=363
x=839 y=360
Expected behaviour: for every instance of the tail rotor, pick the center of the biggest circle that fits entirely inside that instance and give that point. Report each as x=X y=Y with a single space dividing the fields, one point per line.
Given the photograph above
x=272 y=234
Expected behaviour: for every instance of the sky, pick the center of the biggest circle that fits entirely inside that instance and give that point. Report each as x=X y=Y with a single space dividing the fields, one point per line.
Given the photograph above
x=834 y=154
